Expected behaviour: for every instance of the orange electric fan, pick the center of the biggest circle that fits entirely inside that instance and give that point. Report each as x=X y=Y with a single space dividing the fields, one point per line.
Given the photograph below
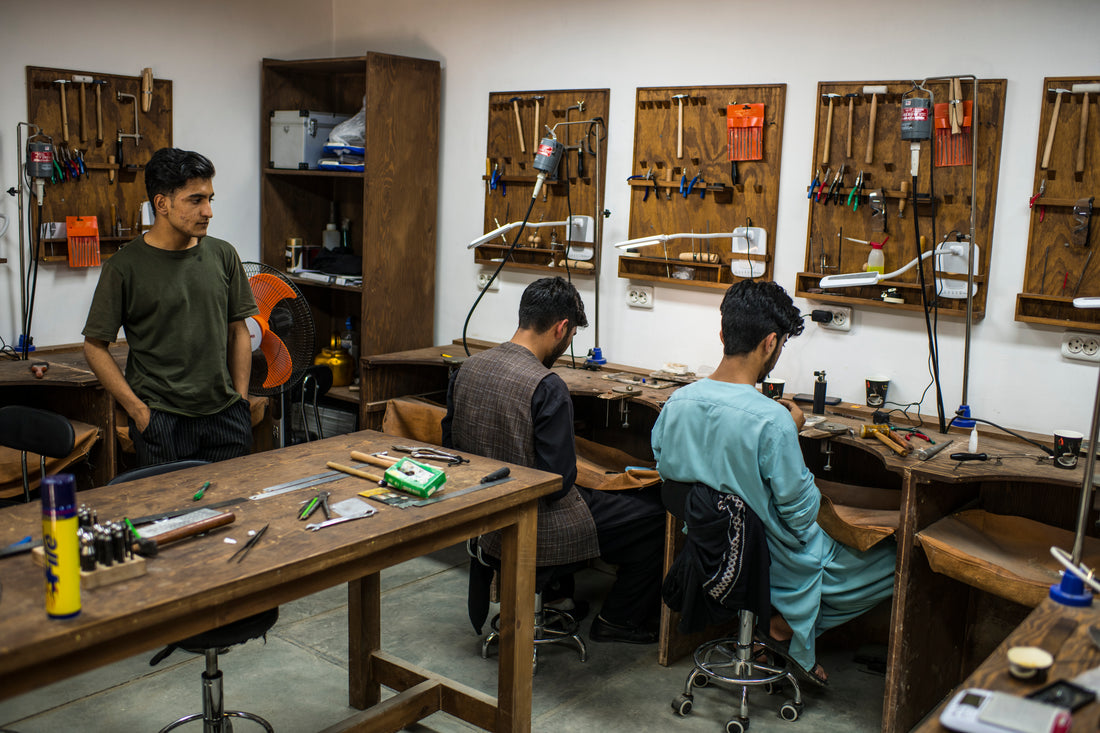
x=281 y=335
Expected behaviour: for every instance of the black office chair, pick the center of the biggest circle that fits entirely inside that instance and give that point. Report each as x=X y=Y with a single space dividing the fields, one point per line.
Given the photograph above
x=552 y=625
x=211 y=643
x=735 y=660
x=34 y=430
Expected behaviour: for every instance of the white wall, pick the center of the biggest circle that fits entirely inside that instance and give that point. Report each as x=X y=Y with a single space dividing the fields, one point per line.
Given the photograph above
x=1018 y=377
x=210 y=50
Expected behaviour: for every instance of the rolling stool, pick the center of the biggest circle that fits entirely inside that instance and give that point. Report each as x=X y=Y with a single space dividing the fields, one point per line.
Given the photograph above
x=552 y=626
x=732 y=660
x=215 y=719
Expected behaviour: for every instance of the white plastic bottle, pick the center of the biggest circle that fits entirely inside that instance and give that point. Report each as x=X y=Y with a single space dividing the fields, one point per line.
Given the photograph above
x=876 y=261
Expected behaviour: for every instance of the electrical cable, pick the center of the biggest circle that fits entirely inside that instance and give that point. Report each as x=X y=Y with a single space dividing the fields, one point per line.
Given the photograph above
x=1040 y=446
x=489 y=282
x=32 y=282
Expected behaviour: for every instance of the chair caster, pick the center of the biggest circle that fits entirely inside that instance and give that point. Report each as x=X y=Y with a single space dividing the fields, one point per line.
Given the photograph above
x=682 y=705
x=790 y=710
x=737 y=725
x=771 y=688
x=700 y=680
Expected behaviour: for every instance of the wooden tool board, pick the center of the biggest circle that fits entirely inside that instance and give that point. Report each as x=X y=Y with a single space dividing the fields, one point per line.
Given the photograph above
x=1057 y=268
x=946 y=197
x=93 y=194
x=512 y=158
x=724 y=205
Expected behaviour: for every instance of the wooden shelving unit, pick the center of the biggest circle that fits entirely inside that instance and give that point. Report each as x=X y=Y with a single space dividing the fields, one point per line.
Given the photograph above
x=391 y=204
x=1059 y=267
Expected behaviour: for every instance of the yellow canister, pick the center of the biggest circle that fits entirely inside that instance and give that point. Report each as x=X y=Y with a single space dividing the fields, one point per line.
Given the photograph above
x=61 y=545
x=339 y=361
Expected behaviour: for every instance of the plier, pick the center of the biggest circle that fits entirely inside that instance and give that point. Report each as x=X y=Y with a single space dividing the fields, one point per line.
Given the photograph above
x=856 y=192
x=814 y=184
x=495 y=180
x=821 y=191
x=432 y=454
x=647 y=177
x=686 y=188
x=835 y=186
x=311 y=506
x=1036 y=197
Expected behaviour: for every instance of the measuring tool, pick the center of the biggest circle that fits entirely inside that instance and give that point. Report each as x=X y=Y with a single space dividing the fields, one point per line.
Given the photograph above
x=302 y=483
x=167 y=525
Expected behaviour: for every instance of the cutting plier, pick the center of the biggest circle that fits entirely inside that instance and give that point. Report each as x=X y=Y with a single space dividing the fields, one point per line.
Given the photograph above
x=856 y=192
x=422 y=453
x=686 y=187
x=835 y=186
x=814 y=184
x=495 y=181
x=648 y=178
x=821 y=190
x=312 y=505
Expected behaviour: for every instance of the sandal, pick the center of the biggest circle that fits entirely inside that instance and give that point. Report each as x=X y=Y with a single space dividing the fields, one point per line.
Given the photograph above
x=782 y=649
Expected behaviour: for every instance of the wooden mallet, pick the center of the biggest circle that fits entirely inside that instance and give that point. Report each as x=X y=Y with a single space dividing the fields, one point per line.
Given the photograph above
x=519 y=125
x=828 y=129
x=680 y=124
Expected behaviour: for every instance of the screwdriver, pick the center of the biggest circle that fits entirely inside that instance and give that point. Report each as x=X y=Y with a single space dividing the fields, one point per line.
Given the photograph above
x=986 y=456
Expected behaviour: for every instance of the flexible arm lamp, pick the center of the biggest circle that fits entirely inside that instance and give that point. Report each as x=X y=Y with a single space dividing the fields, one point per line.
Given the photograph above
x=580 y=229
x=863 y=279
x=665 y=238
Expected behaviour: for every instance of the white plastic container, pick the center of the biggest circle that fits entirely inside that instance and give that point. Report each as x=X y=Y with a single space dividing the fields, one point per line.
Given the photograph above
x=876 y=261
x=297 y=136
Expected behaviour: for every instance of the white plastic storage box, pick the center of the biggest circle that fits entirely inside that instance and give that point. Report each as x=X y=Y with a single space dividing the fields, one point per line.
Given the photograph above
x=297 y=136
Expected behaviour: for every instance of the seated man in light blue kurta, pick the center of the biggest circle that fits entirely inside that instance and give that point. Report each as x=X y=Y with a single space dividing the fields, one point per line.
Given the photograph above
x=722 y=432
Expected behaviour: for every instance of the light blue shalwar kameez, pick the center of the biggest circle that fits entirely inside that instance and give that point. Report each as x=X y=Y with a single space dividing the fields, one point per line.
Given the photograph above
x=734 y=439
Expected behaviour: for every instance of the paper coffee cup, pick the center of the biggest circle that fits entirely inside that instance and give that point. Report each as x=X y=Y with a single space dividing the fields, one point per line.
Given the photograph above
x=876 y=390
x=773 y=387
x=1067 y=444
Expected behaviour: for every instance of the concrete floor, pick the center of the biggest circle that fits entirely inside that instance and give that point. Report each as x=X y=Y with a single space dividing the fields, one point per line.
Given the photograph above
x=298 y=679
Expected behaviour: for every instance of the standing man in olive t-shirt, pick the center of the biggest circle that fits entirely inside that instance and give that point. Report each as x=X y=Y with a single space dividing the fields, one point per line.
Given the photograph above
x=181 y=298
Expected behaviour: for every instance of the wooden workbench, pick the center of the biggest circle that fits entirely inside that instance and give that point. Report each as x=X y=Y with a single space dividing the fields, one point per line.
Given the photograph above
x=190 y=588
x=939 y=629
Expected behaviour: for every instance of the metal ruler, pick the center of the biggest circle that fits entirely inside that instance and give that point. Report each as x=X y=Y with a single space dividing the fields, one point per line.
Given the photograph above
x=302 y=483
x=453 y=494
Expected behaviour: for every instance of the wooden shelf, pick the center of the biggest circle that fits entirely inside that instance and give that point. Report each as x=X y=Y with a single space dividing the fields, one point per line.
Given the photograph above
x=307 y=283
x=1050 y=310
x=314 y=172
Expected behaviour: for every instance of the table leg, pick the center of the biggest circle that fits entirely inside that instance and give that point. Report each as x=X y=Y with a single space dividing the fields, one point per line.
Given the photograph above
x=517 y=614
x=364 y=639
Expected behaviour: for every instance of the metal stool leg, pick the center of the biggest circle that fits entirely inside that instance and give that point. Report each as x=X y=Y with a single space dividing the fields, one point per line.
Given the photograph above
x=214 y=717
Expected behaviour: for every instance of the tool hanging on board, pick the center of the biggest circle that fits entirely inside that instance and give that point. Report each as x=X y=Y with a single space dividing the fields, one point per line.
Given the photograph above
x=1082 y=212
x=146 y=90
x=825 y=144
x=953 y=148
x=824 y=185
x=856 y=193
x=538 y=128
x=874 y=91
x=83 y=81
x=519 y=124
x=99 y=84
x=814 y=183
x=745 y=128
x=1084 y=89
x=1036 y=197
x=851 y=106
x=1053 y=125
x=679 y=99
x=83 y=239
x=64 y=109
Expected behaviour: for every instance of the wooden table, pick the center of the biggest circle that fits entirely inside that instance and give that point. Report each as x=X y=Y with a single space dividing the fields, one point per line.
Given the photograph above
x=69 y=388
x=1062 y=631
x=930 y=646
x=191 y=588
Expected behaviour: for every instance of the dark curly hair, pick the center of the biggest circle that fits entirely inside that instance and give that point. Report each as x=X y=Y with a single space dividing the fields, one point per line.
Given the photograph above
x=548 y=300
x=751 y=309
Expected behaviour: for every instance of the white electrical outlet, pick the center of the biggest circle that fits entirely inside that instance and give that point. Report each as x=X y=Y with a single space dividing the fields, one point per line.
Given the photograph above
x=842 y=317
x=483 y=277
x=1081 y=346
x=639 y=296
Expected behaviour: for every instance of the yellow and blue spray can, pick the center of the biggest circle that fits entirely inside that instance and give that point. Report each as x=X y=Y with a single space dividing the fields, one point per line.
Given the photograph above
x=61 y=545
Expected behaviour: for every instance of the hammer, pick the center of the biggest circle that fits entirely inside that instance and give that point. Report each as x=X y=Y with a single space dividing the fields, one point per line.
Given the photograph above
x=99 y=110
x=874 y=91
x=882 y=432
x=83 y=81
x=1086 y=89
x=680 y=124
x=519 y=125
x=538 y=134
x=64 y=109
x=1053 y=125
x=828 y=129
x=851 y=101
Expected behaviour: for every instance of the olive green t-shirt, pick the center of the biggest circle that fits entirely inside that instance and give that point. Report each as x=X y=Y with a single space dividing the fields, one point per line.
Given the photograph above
x=175 y=308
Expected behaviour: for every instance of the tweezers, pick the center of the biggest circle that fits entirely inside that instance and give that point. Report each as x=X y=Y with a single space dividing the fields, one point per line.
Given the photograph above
x=248 y=545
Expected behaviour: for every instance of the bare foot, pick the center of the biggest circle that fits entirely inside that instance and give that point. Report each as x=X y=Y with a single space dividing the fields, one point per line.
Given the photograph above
x=819 y=672
x=779 y=629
